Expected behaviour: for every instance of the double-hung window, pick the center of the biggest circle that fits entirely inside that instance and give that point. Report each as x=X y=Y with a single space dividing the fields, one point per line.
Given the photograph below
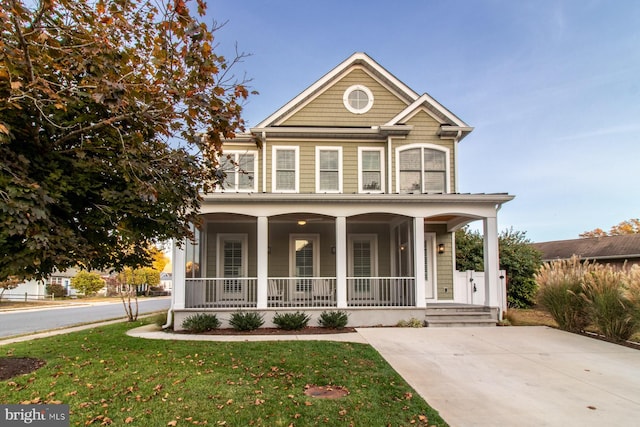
x=423 y=169
x=328 y=169
x=240 y=170
x=285 y=169
x=370 y=170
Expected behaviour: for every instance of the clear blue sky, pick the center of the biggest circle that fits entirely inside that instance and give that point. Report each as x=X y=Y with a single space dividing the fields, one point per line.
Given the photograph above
x=551 y=87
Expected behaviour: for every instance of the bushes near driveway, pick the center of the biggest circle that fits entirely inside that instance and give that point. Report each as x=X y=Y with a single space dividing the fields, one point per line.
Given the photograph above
x=582 y=294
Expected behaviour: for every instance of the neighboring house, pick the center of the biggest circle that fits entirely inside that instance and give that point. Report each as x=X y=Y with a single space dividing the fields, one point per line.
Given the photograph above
x=615 y=250
x=349 y=203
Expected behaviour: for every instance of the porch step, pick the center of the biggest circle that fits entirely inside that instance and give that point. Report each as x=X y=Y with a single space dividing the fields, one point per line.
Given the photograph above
x=437 y=316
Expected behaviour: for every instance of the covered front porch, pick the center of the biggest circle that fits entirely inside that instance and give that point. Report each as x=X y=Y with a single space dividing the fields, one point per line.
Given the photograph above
x=375 y=253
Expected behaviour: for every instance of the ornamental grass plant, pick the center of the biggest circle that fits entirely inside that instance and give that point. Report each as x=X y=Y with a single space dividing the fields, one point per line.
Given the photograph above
x=609 y=307
x=560 y=286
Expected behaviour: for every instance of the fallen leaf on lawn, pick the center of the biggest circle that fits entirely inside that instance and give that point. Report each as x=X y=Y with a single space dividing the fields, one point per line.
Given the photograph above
x=172 y=423
x=128 y=420
x=307 y=403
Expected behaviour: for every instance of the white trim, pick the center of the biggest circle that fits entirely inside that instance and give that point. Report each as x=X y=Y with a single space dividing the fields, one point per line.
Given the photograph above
x=329 y=77
x=415 y=106
x=382 y=169
x=447 y=177
x=235 y=155
x=274 y=150
x=340 y=168
x=351 y=108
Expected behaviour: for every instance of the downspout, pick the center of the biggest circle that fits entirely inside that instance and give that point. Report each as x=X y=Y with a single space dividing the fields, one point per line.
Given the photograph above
x=389 y=173
x=264 y=161
x=456 y=140
x=173 y=294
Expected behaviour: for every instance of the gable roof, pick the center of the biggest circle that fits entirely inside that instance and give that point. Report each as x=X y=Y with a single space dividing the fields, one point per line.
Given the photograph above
x=413 y=101
x=609 y=247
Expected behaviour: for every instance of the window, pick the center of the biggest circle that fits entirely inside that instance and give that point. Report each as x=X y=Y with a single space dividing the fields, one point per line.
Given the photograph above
x=358 y=99
x=328 y=169
x=370 y=170
x=240 y=169
x=422 y=170
x=285 y=169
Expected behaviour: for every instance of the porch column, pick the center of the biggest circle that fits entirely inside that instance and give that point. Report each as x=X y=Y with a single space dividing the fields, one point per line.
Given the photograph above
x=418 y=261
x=492 y=265
x=178 y=277
x=263 y=261
x=341 y=262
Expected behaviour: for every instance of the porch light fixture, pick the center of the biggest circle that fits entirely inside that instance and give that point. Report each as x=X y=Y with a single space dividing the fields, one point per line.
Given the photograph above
x=302 y=222
x=441 y=248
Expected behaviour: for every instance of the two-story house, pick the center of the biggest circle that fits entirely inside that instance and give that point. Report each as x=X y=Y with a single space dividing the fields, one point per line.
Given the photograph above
x=349 y=204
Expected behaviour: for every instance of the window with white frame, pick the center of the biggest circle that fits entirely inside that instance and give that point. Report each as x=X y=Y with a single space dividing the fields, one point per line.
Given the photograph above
x=422 y=169
x=285 y=169
x=358 y=99
x=240 y=170
x=328 y=169
x=370 y=170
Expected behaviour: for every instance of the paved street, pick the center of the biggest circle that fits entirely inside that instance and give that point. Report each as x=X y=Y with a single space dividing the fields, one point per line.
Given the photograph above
x=18 y=322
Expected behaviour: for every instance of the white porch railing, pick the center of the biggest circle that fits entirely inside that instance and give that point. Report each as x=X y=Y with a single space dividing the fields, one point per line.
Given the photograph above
x=238 y=292
x=299 y=292
x=381 y=292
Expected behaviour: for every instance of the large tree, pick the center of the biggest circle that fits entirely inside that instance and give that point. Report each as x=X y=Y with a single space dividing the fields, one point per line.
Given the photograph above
x=518 y=258
x=112 y=115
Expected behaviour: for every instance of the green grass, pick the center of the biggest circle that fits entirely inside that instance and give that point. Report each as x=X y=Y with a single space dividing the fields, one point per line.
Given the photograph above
x=108 y=377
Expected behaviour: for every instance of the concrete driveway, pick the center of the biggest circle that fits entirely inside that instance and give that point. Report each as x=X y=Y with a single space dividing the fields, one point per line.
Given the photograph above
x=515 y=376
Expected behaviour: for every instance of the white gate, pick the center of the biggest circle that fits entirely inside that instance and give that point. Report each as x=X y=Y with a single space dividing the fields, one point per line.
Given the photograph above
x=469 y=287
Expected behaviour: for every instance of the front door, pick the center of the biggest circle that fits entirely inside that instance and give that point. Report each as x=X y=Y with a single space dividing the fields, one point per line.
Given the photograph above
x=429 y=265
x=305 y=256
x=363 y=267
x=233 y=267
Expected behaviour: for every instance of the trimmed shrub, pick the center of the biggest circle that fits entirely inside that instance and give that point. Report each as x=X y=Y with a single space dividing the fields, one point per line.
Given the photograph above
x=57 y=290
x=291 y=321
x=411 y=323
x=201 y=323
x=610 y=302
x=333 y=319
x=559 y=293
x=246 y=321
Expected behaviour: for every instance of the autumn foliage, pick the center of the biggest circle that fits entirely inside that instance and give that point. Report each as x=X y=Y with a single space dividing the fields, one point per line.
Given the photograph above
x=631 y=226
x=112 y=116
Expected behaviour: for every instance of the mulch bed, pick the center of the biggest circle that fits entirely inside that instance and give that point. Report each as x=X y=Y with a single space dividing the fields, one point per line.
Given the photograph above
x=310 y=330
x=13 y=366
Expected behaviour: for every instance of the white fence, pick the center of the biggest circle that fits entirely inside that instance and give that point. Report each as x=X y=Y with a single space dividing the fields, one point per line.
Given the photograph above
x=469 y=287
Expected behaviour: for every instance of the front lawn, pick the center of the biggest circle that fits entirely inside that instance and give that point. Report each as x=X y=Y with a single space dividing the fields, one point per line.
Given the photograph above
x=108 y=377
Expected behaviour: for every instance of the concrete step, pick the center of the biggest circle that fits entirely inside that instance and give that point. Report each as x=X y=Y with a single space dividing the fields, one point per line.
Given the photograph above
x=459 y=315
x=456 y=323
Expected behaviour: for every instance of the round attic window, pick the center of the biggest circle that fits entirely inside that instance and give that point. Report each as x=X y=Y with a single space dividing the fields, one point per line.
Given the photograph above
x=358 y=99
